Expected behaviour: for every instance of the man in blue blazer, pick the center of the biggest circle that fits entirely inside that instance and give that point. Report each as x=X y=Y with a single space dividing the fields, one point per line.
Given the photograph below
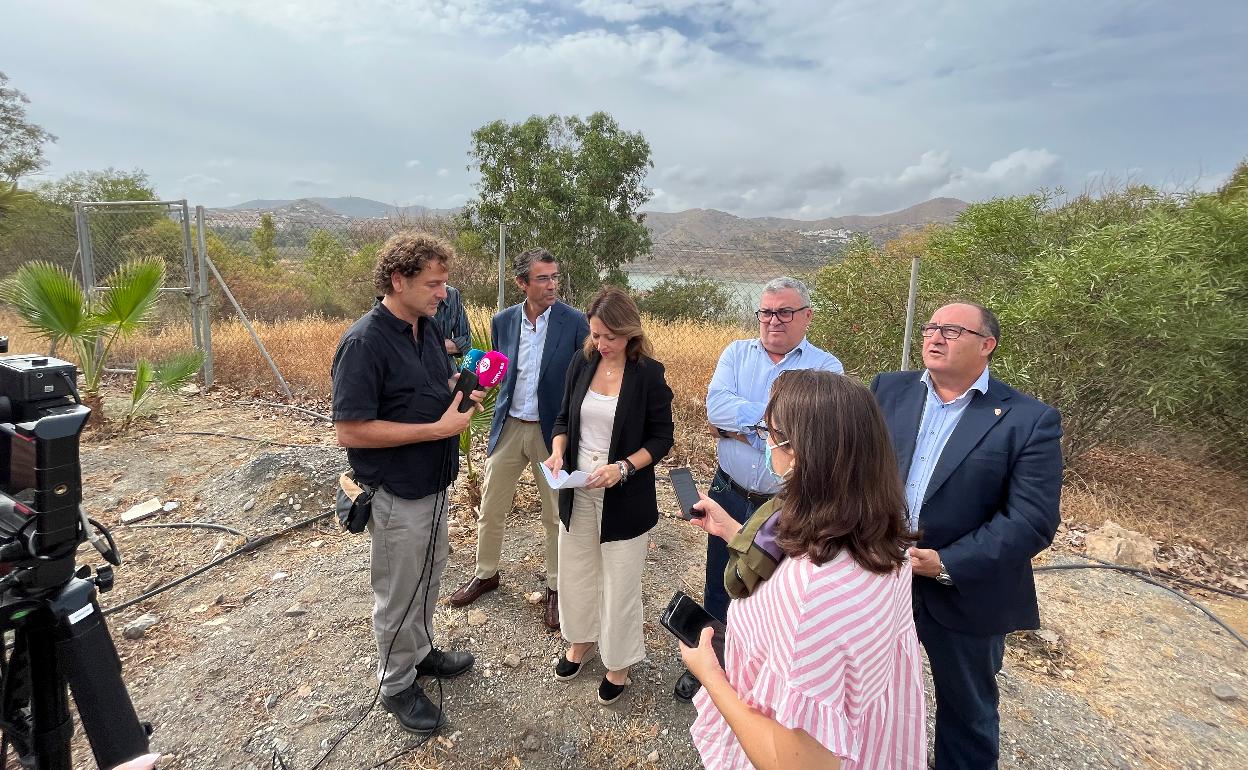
x=539 y=336
x=982 y=465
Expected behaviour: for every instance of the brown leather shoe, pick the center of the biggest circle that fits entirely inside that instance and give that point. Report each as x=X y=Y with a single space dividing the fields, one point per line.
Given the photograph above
x=471 y=591
x=552 y=610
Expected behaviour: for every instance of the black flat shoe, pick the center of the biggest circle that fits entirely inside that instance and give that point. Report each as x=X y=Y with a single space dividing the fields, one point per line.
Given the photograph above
x=444 y=665
x=566 y=670
x=687 y=686
x=609 y=692
x=414 y=711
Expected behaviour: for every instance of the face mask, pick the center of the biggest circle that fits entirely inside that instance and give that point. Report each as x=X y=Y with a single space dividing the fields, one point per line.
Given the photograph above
x=779 y=478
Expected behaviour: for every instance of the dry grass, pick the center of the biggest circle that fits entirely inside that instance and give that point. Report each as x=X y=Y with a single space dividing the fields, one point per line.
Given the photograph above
x=1164 y=497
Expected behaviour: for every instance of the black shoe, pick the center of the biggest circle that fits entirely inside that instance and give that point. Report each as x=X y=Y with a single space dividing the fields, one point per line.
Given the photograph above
x=686 y=687
x=566 y=670
x=415 y=712
x=609 y=692
x=444 y=665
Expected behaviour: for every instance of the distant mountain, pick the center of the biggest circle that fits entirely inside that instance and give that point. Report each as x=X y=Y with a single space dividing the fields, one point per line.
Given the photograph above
x=348 y=206
x=704 y=239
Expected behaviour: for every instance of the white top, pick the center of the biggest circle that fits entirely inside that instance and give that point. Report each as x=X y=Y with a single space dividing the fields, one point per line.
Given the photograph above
x=528 y=366
x=597 y=420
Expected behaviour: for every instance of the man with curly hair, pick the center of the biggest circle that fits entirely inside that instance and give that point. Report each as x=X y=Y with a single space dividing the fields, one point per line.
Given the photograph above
x=395 y=413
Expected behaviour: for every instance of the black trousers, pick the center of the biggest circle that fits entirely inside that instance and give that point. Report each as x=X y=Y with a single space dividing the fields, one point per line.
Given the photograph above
x=964 y=670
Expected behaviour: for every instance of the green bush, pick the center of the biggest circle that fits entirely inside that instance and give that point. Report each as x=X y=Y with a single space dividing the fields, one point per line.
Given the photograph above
x=688 y=296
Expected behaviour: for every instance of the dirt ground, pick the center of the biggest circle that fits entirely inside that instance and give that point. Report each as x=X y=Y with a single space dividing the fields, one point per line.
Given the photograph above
x=270 y=654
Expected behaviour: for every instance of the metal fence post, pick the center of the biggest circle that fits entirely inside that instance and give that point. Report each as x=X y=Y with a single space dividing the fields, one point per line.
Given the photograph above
x=188 y=266
x=203 y=303
x=84 y=246
x=909 y=333
x=502 y=263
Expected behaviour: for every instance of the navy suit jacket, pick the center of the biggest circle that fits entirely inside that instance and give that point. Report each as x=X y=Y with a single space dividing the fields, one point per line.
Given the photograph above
x=565 y=333
x=992 y=503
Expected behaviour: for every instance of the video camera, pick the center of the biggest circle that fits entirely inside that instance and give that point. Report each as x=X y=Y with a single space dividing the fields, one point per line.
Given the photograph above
x=60 y=641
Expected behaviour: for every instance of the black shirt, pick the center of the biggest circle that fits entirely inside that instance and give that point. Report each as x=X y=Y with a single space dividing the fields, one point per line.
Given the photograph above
x=382 y=371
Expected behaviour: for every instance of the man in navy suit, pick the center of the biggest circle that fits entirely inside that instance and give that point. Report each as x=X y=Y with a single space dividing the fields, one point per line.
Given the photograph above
x=982 y=464
x=539 y=336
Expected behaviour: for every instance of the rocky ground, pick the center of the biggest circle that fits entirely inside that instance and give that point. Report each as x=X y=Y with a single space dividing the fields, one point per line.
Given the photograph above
x=268 y=660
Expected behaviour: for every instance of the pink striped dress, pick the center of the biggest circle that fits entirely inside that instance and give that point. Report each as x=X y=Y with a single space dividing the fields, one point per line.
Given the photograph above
x=830 y=650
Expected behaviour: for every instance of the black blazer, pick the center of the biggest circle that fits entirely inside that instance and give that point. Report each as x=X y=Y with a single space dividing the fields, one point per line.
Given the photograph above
x=643 y=419
x=992 y=503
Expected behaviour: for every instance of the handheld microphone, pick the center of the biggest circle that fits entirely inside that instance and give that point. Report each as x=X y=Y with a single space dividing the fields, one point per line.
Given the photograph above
x=489 y=370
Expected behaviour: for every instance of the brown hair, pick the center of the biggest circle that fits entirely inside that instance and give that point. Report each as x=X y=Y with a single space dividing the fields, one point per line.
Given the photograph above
x=619 y=313
x=844 y=491
x=408 y=252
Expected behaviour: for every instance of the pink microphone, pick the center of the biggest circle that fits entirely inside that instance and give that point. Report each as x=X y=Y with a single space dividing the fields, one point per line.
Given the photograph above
x=491 y=369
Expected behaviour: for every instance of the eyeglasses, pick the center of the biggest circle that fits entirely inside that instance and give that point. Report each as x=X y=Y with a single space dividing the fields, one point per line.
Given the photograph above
x=784 y=314
x=763 y=432
x=552 y=278
x=949 y=331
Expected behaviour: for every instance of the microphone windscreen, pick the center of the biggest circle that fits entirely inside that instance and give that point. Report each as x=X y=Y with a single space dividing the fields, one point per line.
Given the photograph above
x=491 y=369
x=471 y=359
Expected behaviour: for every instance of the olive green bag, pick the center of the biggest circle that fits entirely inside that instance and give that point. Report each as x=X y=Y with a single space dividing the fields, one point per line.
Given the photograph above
x=751 y=558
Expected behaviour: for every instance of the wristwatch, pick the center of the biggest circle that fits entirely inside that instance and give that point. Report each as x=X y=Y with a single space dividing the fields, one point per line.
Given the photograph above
x=623 y=466
x=942 y=577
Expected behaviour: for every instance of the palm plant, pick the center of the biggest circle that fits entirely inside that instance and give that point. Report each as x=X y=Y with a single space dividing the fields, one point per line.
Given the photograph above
x=52 y=304
x=480 y=423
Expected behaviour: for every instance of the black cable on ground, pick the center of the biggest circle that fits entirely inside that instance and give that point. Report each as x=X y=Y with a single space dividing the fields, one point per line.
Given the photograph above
x=1136 y=573
x=1171 y=576
x=247 y=547
x=191 y=525
x=246 y=438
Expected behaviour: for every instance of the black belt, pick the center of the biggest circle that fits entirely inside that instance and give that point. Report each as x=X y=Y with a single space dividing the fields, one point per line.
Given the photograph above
x=756 y=498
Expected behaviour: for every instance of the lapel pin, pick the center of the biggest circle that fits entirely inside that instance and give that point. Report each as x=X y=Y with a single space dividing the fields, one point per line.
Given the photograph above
x=997 y=411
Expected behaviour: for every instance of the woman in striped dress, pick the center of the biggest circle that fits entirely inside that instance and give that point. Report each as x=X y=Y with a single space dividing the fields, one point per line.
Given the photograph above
x=821 y=662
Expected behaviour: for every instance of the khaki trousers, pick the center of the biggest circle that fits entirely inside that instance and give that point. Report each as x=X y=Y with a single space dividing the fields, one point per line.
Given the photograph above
x=520 y=445
x=600 y=585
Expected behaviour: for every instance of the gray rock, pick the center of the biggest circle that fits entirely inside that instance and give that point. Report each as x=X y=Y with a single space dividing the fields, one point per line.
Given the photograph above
x=653 y=757
x=270 y=701
x=512 y=660
x=531 y=742
x=138 y=627
x=294 y=610
x=1224 y=692
x=247 y=506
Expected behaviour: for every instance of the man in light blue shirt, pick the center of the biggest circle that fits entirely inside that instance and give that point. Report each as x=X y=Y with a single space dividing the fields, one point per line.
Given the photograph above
x=735 y=402
x=940 y=417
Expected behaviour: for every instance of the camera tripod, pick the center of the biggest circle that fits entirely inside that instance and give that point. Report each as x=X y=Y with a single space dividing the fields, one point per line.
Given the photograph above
x=61 y=643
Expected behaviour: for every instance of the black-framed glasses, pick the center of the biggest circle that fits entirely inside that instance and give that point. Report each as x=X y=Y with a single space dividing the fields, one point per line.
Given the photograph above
x=949 y=331
x=763 y=432
x=783 y=315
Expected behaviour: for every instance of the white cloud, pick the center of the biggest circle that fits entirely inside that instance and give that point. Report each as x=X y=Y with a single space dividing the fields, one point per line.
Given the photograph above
x=443 y=173
x=412 y=163
x=303 y=182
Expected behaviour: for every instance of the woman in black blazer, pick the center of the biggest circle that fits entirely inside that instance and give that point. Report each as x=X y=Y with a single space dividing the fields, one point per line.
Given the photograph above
x=615 y=424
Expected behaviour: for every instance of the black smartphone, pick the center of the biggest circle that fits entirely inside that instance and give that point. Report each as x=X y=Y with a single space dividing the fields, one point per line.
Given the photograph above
x=686 y=492
x=686 y=618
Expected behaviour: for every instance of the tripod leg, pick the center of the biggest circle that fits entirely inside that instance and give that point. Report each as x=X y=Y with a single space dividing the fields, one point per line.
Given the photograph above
x=90 y=665
x=52 y=727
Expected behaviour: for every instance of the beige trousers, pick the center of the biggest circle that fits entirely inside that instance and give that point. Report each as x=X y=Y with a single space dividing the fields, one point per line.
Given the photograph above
x=520 y=445
x=600 y=584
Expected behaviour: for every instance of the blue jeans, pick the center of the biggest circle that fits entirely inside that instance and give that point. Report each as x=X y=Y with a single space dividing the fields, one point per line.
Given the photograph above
x=964 y=670
x=714 y=596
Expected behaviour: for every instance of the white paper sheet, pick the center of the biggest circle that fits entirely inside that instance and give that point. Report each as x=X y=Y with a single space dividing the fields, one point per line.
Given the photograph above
x=565 y=480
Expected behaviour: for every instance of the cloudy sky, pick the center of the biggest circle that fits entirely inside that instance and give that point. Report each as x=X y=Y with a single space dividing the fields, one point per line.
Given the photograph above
x=801 y=108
